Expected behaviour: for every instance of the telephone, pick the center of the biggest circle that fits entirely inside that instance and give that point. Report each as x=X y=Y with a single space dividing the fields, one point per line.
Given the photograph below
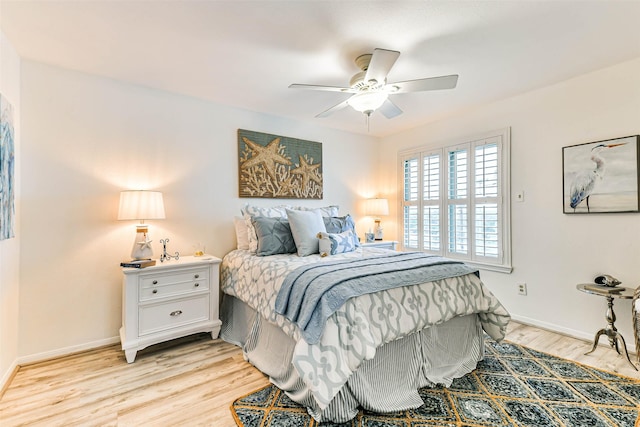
x=607 y=280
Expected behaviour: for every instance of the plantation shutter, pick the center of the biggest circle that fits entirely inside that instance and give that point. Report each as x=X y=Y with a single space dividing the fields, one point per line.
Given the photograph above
x=410 y=205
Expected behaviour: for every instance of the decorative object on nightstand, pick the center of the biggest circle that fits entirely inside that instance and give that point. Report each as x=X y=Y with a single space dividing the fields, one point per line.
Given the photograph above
x=168 y=301
x=141 y=205
x=165 y=256
x=607 y=280
x=377 y=208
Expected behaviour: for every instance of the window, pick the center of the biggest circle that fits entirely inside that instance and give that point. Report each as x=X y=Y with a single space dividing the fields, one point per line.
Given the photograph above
x=456 y=200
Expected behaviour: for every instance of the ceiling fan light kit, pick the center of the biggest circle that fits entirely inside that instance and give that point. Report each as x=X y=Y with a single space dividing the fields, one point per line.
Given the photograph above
x=370 y=89
x=367 y=102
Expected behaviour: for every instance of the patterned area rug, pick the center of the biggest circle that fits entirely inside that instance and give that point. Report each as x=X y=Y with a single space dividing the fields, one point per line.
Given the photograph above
x=513 y=386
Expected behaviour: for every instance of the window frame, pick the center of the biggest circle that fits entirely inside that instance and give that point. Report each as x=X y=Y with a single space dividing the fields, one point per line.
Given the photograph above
x=502 y=137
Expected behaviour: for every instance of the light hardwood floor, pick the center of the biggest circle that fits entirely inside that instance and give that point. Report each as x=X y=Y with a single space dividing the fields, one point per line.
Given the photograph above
x=190 y=381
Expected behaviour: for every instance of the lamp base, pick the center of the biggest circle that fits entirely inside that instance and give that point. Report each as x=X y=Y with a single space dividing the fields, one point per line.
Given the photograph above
x=378 y=230
x=142 y=244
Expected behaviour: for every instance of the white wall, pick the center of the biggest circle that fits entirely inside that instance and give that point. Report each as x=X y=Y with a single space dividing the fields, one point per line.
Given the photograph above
x=552 y=252
x=87 y=138
x=10 y=248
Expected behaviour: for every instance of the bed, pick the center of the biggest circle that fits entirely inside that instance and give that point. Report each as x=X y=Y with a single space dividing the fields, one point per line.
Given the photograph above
x=373 y=350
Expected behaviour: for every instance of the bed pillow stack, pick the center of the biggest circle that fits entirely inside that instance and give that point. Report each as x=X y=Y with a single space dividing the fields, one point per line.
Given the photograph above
x=271 y=230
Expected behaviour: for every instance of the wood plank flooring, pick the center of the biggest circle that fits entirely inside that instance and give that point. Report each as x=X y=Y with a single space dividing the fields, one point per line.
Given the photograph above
x=191 y=381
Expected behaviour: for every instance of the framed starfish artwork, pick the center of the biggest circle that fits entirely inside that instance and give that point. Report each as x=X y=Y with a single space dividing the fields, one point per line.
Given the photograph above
x=278 y=167
x=602 y=176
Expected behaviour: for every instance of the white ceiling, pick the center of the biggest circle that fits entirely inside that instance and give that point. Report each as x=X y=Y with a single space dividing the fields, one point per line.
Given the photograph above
x=246 y=53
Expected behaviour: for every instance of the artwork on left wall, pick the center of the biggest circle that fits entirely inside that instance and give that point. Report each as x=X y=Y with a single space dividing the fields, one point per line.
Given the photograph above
x=278 y=167
x=602 y=176
x=7 y=170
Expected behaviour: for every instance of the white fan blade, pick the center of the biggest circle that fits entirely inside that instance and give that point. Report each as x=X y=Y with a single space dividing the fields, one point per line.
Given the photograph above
x=325 y=88
x=333 y=109
x=381 y=62
x=433 y=83
x=389 y=109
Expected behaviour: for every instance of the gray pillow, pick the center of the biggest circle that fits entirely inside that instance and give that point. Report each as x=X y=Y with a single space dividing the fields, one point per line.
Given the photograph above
x=274 y=236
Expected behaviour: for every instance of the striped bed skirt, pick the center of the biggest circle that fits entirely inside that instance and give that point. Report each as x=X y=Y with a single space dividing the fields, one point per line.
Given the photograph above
x=387 y=383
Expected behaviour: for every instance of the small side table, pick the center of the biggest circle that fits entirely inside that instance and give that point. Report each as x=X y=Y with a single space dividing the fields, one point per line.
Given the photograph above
x=610 y=330
x=385 y=244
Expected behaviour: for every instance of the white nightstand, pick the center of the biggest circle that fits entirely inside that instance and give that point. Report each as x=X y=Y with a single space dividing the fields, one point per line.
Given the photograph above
x=169 y=300
x=384 y=244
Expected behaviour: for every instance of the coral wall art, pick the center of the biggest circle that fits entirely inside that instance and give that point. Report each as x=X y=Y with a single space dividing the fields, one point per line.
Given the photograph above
x=7 y=170
x=279 y=167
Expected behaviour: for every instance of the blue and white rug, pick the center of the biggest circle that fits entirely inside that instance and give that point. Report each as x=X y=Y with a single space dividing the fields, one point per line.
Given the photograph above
x=513 y=386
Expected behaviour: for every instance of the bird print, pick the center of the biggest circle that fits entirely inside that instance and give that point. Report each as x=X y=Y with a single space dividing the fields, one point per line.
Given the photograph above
x=585 y=181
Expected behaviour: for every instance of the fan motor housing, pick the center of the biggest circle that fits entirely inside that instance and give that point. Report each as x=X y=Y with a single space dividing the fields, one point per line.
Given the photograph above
x=357 y=81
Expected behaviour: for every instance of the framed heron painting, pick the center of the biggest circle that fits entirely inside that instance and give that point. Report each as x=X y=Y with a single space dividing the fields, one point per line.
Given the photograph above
x=601 y=176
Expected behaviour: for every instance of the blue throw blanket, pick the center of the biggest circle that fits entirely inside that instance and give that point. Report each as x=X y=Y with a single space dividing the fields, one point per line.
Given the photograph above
x=310 y=294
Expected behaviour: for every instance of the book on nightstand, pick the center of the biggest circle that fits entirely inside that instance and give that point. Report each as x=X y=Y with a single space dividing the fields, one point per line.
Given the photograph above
x=138 y=263
x=603 y=289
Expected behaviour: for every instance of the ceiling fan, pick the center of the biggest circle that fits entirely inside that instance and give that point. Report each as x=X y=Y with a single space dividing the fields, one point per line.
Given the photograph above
x=370 y=88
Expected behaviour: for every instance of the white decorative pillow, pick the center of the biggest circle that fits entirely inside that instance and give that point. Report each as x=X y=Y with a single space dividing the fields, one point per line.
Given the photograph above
x=242 y=238
x=331 y=244
x=305 y=226
x=249 y=211
x=325 y=211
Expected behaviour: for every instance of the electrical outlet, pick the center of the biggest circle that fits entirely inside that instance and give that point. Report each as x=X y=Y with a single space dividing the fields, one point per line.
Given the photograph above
x=522 y=288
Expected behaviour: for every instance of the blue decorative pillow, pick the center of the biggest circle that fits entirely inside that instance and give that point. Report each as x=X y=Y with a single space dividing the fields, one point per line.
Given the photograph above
x=331 y=243
x=274 y=236
x=340 y=224
x=250 y=211
x=305 y=225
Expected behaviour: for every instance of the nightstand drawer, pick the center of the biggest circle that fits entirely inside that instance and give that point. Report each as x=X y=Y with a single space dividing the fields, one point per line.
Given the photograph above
x=160 y=317
x=179 y=283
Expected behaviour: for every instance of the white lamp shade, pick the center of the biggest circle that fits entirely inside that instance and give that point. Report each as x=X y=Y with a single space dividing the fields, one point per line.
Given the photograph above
x=376 y=207
x=141 y=205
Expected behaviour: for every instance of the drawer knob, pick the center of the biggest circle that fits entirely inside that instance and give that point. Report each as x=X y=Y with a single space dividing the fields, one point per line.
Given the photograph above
x=175 y=313
x=196 y=284
x=197 y=276
x=155 y=282
x=155 y=291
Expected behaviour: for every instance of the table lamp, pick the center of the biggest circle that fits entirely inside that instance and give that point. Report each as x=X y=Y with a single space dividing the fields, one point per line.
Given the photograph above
x=376 y=208
x=141 y=205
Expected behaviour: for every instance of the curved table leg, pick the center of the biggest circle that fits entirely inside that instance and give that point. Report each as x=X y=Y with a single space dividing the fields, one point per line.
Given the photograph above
x=595 y=340
x=624 y=347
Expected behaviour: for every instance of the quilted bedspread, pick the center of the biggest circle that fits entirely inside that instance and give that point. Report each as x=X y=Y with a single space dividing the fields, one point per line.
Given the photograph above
x=354 y=332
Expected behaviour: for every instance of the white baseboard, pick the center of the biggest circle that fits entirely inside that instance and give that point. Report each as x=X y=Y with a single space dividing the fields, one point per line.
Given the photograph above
x=631 y=347
x=65 y=351
x=7 y=376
